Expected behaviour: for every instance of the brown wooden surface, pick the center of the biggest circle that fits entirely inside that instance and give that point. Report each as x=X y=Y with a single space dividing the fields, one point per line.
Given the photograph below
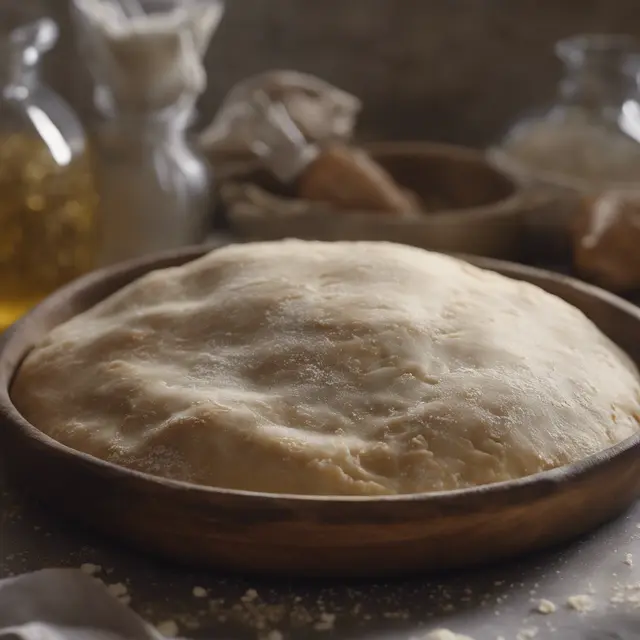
x=319 y=536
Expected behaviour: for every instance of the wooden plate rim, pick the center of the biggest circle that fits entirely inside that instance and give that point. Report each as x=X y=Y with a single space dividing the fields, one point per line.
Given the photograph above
x=507 y=491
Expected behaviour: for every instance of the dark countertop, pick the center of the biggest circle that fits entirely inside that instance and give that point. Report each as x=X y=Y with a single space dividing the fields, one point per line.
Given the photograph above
x=485 y=604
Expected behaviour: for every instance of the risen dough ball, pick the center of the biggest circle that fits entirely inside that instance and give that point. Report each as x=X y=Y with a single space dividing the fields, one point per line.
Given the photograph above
x=331 y=368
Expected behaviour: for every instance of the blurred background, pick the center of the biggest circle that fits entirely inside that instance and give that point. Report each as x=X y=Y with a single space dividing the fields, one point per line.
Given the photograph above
x=129 y=127
x=447 y=70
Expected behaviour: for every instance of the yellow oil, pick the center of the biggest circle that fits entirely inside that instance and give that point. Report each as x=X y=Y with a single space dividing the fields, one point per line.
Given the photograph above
x=47 y=223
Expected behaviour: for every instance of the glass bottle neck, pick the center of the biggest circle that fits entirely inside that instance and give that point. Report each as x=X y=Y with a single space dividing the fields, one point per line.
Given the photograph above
x=22 y=43
x=138 y=134
x=596 y=91
x=19 y=68
x=171 y=122
x=600 y=71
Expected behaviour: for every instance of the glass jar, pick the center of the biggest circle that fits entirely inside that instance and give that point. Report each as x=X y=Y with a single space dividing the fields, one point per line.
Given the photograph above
x=48 y=200
x=590 y=136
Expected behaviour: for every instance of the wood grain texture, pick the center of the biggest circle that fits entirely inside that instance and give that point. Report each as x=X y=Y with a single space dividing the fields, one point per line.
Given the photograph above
x=317 y=535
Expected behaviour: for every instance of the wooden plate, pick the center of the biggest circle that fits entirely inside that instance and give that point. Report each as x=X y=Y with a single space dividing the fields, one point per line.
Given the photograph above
x=289 y=534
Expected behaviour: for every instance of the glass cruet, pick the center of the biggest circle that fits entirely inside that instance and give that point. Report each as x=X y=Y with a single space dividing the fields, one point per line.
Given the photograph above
x=590 y=136
x=153 y=184
x=47 y=209
x=154 y=188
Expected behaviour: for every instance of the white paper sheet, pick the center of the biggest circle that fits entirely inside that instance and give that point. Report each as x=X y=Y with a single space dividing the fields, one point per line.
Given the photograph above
x=65 y=604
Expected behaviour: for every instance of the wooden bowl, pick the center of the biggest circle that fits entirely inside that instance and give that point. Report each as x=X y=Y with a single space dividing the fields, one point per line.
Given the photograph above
x=474 y=207
x=338 y=536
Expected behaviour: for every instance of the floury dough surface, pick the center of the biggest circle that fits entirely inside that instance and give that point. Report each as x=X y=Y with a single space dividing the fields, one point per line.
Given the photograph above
x=331 y=368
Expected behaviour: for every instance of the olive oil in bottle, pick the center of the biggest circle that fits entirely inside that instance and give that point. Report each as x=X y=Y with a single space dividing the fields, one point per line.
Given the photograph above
x=47 y=198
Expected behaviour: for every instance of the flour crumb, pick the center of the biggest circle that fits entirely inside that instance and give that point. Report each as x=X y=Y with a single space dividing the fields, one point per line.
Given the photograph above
x=443 y=634
x=396 y=615
x=580 y=603
x=117 y=590
x=199 y=592
x=527 y=634
x=326 y=622
x=274 y=635
x=628 y=594
x=90 y=569
x=546 y=607
x=167 y=628
x=628 y=559
x=250 y=595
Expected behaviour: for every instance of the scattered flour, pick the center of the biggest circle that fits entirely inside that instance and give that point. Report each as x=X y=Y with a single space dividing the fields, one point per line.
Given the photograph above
x=443 y=634
x=199 y=592
x=168 y=628
x=581 y=603
x=546 y=607
x=90 y=569
x=117 y=590
x=326 y=622
x=250 y=595
x=627 y=594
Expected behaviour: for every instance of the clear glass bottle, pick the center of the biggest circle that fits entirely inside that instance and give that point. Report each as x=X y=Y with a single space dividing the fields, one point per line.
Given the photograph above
x=48 y=201
x=154 y=185
x=590 y=136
